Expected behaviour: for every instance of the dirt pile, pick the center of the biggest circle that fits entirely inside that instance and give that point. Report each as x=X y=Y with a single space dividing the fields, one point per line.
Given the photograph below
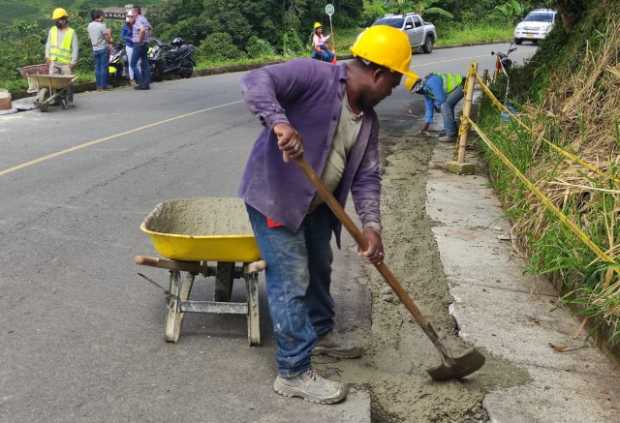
x=200 y=217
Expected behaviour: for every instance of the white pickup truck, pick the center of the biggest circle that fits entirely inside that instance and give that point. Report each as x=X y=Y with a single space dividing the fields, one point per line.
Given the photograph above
x=421 y=34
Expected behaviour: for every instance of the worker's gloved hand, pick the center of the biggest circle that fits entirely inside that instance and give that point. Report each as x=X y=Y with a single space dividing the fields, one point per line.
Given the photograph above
x=374 y=252
x=289 y=141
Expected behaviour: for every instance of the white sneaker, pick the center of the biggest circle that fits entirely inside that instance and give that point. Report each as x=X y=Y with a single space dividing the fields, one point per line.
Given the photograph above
x=311 y=387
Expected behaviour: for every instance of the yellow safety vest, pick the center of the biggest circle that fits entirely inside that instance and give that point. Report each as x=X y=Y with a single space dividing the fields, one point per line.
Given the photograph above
x=451 y=81
x=61 y=54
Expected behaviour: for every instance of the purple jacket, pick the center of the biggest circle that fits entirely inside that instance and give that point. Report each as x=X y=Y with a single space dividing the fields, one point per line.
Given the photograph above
x=307 y=94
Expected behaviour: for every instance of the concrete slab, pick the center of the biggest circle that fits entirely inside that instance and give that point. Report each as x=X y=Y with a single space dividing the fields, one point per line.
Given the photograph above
x=511 y=314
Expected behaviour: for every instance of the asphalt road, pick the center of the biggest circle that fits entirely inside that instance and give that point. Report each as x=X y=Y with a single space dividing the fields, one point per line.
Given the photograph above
x=81 y=337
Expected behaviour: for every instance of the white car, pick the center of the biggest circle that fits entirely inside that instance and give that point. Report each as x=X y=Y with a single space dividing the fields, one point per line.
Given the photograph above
x=536 y=25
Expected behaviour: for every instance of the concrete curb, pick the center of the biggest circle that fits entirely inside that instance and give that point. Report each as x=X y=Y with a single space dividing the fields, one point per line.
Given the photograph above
x=513 y=315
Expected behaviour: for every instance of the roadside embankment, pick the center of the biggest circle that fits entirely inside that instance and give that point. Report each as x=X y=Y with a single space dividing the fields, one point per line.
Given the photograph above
x=568 y=96
x=511 y=314
x=457 y=37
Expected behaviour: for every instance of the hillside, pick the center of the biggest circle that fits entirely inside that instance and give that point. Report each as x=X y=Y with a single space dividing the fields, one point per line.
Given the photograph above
x=29 y=10
x=568 y=94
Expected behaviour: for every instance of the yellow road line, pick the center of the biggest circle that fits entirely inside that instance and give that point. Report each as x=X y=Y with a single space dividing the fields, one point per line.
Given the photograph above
x=111 y=137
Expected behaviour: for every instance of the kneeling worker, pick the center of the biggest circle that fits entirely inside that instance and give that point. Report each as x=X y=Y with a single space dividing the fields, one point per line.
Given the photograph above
x=441 y=91
x=324 y=113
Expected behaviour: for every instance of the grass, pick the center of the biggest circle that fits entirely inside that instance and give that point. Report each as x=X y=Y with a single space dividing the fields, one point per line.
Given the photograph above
x=344 y=40
x=474 y=34
x=568 y=94
x=346 y=37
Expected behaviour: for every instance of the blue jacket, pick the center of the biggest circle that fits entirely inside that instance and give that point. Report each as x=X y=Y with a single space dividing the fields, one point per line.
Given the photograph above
x=126 y=35
x=434 y=96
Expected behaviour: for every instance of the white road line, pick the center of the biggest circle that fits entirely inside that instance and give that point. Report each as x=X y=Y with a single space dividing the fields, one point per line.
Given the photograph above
x=112 y=137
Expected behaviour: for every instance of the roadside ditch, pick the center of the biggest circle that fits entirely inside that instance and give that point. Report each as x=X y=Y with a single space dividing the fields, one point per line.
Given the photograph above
x=398 y=352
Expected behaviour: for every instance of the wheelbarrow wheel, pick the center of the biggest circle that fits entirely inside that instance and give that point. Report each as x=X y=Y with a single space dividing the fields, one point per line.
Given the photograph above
x=180 y=290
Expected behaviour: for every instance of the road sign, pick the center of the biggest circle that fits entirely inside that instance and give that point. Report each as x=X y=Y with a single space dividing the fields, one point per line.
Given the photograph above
x=329 y=9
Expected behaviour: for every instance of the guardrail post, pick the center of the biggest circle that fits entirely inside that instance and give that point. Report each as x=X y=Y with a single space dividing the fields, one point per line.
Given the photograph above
x=460 y=166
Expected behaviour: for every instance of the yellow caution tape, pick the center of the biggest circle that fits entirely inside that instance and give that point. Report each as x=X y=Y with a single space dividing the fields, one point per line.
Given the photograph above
x=543 y=198
x=560 y=150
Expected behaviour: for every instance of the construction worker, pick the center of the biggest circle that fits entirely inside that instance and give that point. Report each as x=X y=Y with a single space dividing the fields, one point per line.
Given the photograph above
x=320 y=50
x=325 y=113
x=441 y=91
x=61 y=49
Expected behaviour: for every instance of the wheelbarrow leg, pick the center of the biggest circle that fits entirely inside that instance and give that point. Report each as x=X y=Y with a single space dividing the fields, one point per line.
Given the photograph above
x=180 y=290
x=224 y=281
x=39 y=101
x=253 y=309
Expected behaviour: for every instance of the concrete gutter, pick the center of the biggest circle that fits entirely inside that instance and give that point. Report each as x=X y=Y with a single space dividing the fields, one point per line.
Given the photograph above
x=513 y=315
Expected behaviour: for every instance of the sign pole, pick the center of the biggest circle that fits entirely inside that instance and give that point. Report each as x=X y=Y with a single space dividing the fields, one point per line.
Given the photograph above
x=329 y=11
x=331 y=31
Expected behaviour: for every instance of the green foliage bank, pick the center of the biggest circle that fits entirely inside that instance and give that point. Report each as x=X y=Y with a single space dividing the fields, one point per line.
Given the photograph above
x=570 y=94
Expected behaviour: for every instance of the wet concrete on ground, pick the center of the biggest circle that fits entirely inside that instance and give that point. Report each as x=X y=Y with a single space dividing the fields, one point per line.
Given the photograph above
x=398 y=353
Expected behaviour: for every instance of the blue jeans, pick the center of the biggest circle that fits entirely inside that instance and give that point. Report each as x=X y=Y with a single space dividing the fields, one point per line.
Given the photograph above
x=298 y=280
x=325 y=54
x=102 y=58
x=447 y=111
x=142 y=74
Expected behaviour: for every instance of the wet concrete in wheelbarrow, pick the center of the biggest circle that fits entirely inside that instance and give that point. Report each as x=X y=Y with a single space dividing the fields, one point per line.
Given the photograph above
x=398 y=353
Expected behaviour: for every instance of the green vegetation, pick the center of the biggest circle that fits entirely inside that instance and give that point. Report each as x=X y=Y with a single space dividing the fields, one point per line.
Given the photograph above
x=568 y=93
x=474 y=34
x=244 y=31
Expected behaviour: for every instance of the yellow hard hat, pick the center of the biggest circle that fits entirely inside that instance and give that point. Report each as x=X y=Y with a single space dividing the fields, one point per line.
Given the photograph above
x=59 y=13
x=386 y=46
x=411 y=82
x=317 y=25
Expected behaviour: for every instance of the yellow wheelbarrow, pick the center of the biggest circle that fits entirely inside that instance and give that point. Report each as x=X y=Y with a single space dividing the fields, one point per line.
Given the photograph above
x=50 y=89
x=211 y=237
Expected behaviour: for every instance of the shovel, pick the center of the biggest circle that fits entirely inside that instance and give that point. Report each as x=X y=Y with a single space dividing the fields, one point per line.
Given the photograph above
x=451 y=367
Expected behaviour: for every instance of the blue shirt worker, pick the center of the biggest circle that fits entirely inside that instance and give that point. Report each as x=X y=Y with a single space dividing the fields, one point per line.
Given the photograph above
x=127 y=37
x=442 y=92
x=324 y=113
x=141 y=37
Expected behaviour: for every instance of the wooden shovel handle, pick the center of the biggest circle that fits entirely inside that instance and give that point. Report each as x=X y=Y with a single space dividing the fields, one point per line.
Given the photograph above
x=344 y=218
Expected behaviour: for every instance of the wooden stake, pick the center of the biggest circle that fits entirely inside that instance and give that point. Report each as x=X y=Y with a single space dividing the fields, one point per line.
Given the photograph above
x=469 y=96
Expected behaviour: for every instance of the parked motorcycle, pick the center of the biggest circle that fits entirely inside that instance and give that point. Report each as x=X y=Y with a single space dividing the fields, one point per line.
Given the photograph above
x=118 y=67
x=174 y=59
x=503 y=63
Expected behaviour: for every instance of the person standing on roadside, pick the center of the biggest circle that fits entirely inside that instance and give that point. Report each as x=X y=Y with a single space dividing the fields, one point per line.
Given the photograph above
x=127 y=37
x=324 y=113
x=101 y=40
x=61 y=48
x=141 y=37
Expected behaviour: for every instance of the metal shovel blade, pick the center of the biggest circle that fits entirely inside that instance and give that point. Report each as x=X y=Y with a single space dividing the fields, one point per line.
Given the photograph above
x=461 y=366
